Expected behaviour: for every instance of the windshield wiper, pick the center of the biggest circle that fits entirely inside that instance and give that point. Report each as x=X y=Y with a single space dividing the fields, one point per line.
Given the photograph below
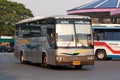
x=78 y=41
x=82 y=44
x=70 y=41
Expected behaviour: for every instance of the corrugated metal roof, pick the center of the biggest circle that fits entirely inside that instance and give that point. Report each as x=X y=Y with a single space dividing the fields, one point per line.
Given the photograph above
x=100 y=4
x=97 y=6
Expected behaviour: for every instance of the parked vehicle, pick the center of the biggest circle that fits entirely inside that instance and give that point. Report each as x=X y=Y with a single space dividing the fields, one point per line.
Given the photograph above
x=106 y=41
x=2 y=48
x=9 y=49
x=57 y=40
x=6 y=48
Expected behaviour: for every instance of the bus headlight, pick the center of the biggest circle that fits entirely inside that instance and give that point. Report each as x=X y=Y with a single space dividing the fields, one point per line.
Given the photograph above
x=59 y=58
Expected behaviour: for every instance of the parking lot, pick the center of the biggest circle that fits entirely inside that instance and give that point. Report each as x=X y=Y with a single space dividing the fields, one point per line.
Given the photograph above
x=11 y=69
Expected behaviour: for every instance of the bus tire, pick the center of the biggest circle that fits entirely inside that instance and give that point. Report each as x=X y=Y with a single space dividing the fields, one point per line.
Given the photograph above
x=22 y=58
x=44 y=61
x=100 y=54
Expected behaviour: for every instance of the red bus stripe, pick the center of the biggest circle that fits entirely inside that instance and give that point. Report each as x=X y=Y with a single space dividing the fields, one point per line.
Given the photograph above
x=106 y=45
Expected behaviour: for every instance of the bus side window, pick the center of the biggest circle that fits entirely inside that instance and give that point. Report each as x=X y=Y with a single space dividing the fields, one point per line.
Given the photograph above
x=96 y=35
x=26 y=35
x=16 y=32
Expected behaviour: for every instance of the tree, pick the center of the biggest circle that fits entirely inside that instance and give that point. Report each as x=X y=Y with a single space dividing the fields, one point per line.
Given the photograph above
x=10 y=13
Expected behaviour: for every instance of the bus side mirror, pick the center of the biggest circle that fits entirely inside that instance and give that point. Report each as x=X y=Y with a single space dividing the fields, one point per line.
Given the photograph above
x=52 y=37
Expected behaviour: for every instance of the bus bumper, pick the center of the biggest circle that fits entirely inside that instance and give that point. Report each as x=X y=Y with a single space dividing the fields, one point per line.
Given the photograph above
x=74 y=60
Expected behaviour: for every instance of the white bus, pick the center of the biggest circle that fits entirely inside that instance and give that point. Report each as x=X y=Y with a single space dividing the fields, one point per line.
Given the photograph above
x=64 y=40
x=106 y=41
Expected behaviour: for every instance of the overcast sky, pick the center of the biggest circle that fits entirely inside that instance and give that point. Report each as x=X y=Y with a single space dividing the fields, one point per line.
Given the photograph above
x=51 y=7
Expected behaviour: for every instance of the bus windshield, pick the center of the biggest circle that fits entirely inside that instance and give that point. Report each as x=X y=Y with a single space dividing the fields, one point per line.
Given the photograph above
x=65 y=35
x=83 y=35
x=73 y=34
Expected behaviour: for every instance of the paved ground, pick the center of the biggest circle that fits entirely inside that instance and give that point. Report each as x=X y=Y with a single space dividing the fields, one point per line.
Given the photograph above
x=11 y=69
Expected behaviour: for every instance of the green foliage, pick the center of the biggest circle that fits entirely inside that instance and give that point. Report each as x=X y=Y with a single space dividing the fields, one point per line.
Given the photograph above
x=10 y=13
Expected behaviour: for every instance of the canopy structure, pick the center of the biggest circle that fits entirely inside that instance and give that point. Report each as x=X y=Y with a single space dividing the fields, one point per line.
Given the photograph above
x=105 y=11
x=7 y=40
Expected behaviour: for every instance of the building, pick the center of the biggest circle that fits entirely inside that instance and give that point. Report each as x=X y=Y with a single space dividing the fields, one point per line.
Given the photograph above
x=101 y=11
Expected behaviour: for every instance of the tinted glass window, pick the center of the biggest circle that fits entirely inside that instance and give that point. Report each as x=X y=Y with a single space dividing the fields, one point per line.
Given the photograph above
x=106 y=34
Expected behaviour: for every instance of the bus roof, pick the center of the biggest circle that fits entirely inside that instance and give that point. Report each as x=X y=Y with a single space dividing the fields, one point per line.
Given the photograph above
x=69 y=16
x=55 y=16
x=106 y=26
x=30 y=19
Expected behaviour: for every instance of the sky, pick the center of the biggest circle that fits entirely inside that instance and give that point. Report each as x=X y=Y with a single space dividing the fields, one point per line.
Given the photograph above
x=51 y=7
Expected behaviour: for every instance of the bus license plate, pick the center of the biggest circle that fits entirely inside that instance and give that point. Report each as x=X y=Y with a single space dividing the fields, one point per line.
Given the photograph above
x=76 y=62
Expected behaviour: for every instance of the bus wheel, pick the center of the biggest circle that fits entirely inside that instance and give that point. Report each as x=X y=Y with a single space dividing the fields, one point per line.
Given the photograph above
x=44 y=61
x=100 y=54
x=79 y=67
x=22 y=58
